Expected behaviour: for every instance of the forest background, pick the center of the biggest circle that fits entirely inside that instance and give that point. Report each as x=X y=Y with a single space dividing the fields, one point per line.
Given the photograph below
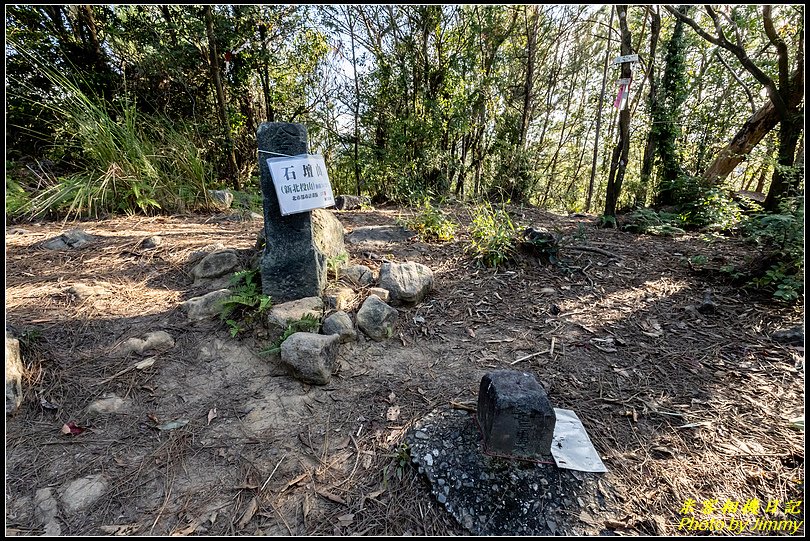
x=145 y=108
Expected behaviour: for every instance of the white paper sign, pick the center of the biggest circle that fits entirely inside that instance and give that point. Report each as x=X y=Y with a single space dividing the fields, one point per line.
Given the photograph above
x=571 y=447
x=625 y=58
x=301 y=183
x=625 y=81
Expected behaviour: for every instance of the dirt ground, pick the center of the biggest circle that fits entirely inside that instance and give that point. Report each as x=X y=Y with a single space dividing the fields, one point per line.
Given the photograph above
x=681 y=405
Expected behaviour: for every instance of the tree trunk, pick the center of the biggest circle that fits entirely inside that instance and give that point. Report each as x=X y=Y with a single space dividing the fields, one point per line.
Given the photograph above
x=751 y=133
x=223 y=113
x=356 y=108
x=785 y=178
x=528 y=82
x=649 y=147
x=618 y=162
x=589 y=197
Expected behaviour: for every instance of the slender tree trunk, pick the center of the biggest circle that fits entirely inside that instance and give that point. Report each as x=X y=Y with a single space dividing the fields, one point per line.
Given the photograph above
x=528 y=81
x=589 y=197
x=223 y=113
x=649 y=147
x=618 y=162
x=356 y=108
x=553 y=166
x=167 y=16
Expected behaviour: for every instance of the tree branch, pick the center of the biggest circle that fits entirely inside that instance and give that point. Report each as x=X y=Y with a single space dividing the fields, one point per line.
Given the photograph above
x=739 y=52
x=779 y=43
x=739 y=80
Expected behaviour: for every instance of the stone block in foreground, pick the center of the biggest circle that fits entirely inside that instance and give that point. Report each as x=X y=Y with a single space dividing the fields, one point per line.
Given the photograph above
x=515 y=415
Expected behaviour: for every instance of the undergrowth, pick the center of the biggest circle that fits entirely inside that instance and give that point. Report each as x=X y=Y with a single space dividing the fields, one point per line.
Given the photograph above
x=246 y=302
x=492 y=236
x=308 y=323
x=431 y=223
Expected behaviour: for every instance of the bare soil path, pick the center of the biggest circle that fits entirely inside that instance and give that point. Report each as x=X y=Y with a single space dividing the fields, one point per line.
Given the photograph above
x=681 y=405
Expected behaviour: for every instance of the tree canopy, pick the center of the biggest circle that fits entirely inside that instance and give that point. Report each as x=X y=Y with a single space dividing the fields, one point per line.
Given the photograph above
x=507 y=102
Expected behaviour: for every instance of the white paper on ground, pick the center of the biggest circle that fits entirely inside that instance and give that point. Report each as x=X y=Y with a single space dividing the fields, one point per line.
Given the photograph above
x=571 y=447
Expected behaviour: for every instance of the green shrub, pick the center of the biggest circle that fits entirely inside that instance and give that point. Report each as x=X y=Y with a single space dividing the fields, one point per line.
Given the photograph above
x=653 y=222
x=17 y=200
x=781 y=237
x=431 y=223
x=492 y=236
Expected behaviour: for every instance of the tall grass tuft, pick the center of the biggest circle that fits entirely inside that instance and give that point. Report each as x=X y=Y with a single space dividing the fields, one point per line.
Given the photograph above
x=492 y=236
x=126 y=161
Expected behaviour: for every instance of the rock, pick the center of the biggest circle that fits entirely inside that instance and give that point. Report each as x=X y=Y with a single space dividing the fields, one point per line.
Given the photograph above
x=152 y=242
x=283 y=314
x=206 y=306
x=75 y=238
x=108 y=404
x=340 y=323
x=311 y=357
x=80 y=494
x=83 y=291
x=376 y=319
x=408 y=282
x=14 y=373
x=383 y=294
x=155 y=341
x=793 y=336
x=707 y=306
x=348 y=202
x=358 y=274
x=220 y=199
x=379 y=235
x=515 y=415
x=327 y=233
x=339 y=298
x=215 y=264
x=45 y=510
x=204 y=251
x=293 y=266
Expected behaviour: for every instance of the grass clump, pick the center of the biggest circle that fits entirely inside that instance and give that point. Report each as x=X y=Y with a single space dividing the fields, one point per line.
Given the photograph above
x=431 y=223
x=308 y=323
x=123 y=161
x=492 y=236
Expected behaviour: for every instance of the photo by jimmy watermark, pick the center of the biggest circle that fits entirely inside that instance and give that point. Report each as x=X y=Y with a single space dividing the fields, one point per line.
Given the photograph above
x=753 y=516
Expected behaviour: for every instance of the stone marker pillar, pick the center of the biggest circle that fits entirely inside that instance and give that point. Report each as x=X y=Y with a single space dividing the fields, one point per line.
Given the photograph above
x=291 y=266
x=515 y=415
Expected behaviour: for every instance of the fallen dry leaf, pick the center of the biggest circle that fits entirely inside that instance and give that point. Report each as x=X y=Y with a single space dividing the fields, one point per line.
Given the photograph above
x=212 y=415
x=120 y=529
x=331 y=497
x=346 y=519
x=146 y=363
x=71 y=428
x=252 y=507
x=392 y=414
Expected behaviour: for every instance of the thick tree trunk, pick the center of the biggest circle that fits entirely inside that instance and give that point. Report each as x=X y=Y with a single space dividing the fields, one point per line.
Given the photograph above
x=618 y=162
x=785 y=178
x=223 y=113
x=751 y=133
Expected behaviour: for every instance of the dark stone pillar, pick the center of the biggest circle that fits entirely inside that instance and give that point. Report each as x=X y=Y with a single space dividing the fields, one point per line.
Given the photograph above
x=291 y=267
x=515 y=415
